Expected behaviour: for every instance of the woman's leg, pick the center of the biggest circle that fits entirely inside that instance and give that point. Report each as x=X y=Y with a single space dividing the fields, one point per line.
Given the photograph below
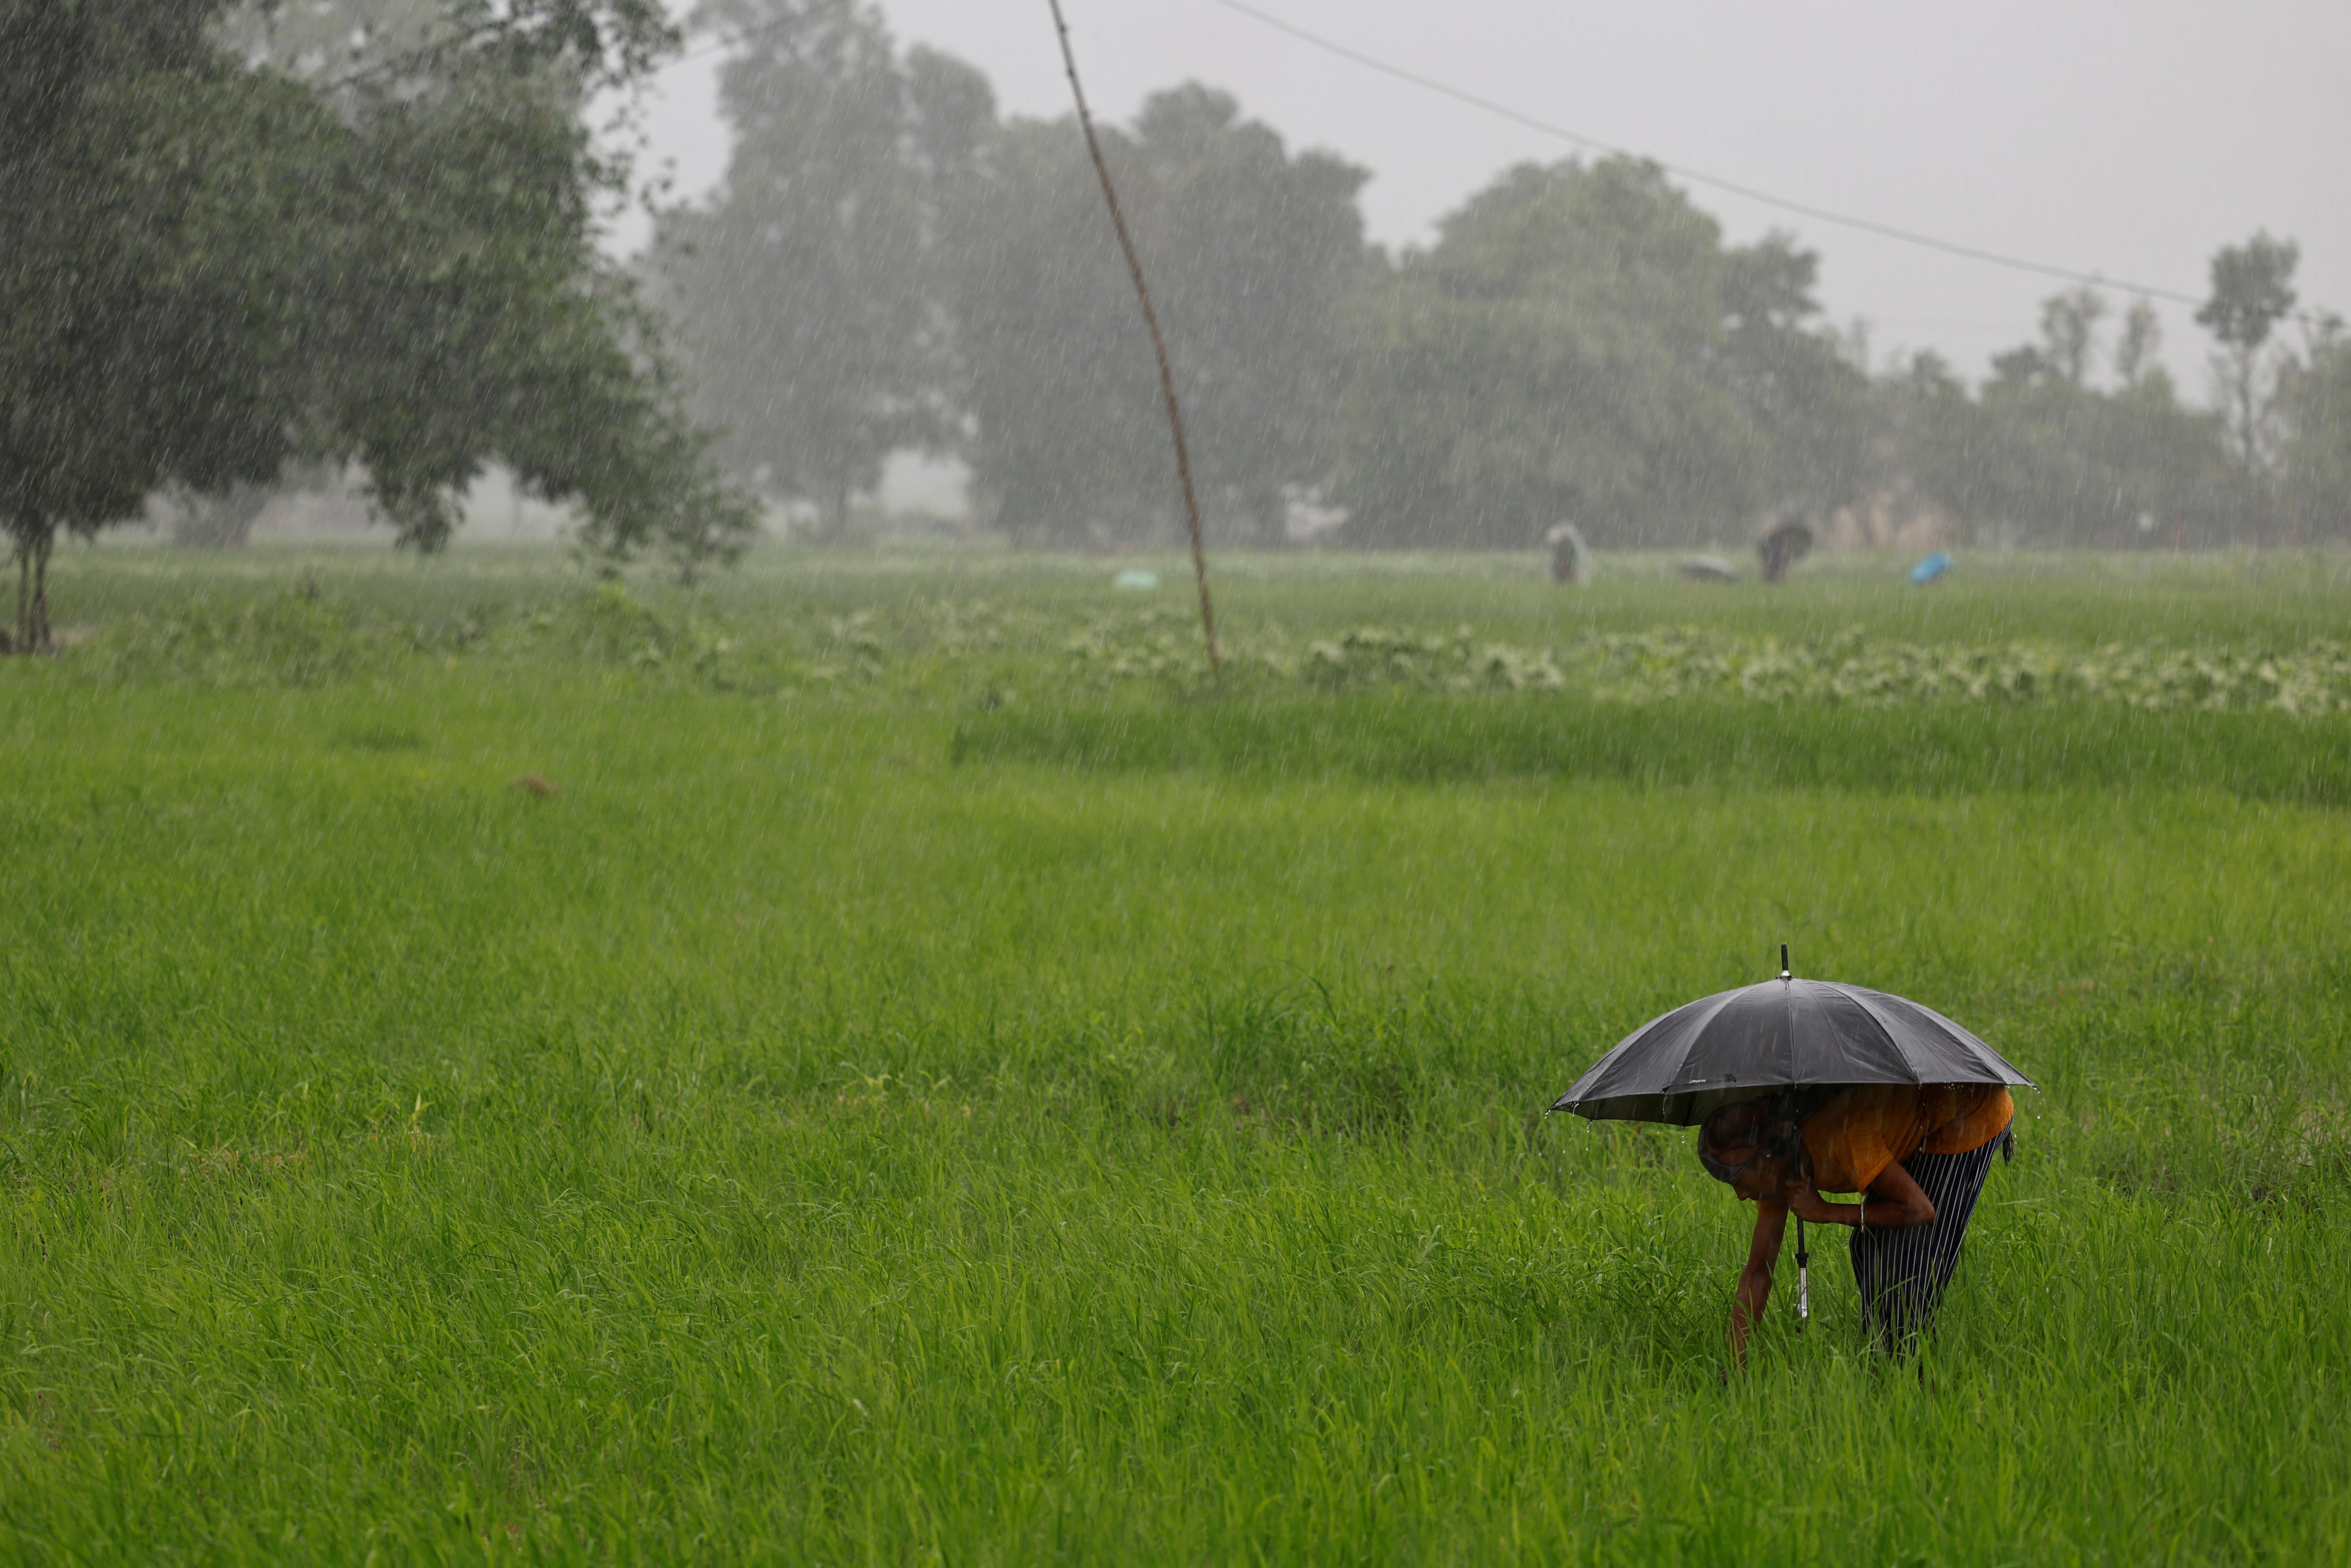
x=1902 y=1273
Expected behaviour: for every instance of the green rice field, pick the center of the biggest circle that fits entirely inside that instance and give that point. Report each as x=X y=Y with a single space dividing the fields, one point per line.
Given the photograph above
x=875 y=1060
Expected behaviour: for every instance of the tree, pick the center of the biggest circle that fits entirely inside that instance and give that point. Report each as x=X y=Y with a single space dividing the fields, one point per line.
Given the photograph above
x=2251 y=288
x=802 y=284
x=1251 y=250
x=2142 y=341
x=2069 y=325
x=318 y=41
x=2316 y=453
x=1580 y=343
x=137 y=342
x=207 y=268
x=2044 y=457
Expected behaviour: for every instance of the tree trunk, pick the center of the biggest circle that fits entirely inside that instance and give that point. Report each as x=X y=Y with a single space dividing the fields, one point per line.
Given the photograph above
x=23 y=641
x=224 y=519
x=41 y=641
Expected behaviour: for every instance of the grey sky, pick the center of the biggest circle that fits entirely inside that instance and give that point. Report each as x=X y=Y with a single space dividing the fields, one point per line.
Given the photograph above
x=2126 y=138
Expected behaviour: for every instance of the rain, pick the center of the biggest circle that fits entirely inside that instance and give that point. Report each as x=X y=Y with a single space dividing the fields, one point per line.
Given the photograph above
x=1204 y=781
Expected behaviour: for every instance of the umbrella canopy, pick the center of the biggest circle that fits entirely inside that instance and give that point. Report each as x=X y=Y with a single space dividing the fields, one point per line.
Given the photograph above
x=1782 y=1034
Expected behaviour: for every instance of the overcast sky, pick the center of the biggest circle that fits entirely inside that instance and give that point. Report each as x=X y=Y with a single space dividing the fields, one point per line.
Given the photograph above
x=2126 y=137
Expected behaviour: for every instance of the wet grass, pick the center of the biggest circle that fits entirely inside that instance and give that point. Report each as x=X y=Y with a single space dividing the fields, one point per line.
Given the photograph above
x=1943 y=750
x=845 y=1123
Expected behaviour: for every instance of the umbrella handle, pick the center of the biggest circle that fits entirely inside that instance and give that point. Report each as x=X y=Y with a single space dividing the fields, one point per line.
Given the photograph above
x=1804 y=1278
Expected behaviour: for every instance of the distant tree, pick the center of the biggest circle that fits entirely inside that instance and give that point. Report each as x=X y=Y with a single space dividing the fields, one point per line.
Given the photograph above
x=207 y=268
x=1580 y=343
x=2141 y=341
x=217 y=519
x=1807 y=390
x=2043 y=457
x=2316 y=452
x=2253 y=287
x=1251 y=249
x=2069 y=325
x=802 y=284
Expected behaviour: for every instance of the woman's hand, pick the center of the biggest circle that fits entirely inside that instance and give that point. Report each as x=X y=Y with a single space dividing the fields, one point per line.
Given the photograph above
x=1805 y=1203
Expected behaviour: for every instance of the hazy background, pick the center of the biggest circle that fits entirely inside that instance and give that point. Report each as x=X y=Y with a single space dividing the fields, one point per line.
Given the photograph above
x=2129 y=139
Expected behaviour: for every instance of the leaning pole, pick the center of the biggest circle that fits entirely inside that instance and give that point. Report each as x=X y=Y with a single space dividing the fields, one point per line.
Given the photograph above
x=1159 y=342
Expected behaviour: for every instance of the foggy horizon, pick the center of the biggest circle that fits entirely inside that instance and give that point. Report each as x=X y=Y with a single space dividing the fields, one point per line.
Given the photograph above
x=2132 y=142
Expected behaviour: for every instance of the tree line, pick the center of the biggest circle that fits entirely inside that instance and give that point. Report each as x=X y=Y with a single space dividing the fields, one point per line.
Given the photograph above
x=891 y=262
x=245 y=239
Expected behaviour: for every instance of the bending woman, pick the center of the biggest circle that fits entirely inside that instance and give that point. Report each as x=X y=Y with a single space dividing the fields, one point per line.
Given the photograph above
x=1918 y=1156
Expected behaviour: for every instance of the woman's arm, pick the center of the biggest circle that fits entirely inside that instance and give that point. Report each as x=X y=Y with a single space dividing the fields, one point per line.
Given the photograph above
x=1755 y=1279
x=1894 y=1202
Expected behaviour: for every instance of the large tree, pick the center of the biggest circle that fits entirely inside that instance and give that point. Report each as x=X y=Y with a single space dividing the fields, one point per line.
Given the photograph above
x=210 y=267
x=802 y=284
x=1580 y=343
x=1251 y=250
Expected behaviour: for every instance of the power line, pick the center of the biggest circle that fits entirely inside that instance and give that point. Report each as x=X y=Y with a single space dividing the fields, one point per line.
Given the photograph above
x=1598 y=144
x=1698 y=177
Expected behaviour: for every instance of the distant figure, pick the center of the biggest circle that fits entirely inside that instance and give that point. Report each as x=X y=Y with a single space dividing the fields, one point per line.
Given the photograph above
x=1568 y=559
x=1783 y=544
x=1931 y=570
x=1709 y=569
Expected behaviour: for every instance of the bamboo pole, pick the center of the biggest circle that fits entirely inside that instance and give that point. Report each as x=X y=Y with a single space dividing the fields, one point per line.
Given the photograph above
x=1159 y=342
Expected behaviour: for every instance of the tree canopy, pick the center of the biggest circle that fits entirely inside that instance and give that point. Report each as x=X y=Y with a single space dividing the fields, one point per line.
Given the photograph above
x=892 y=264
x=1581 y=344
x=889 y=265
x=802 y=284
x=211 y=267
x=1251 y=250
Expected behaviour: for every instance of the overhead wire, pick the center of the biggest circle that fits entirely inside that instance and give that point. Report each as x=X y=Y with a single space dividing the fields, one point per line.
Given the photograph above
x=1600 y=145
x=1734 y=187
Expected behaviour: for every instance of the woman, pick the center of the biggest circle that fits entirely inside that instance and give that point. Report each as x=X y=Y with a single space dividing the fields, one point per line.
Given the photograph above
x=1916 y=1153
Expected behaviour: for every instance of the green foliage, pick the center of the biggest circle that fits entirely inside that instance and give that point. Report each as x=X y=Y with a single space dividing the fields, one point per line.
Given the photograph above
x=140 y=269
x=891 y=266
x=212 y=268
x=2043 y=458
x=2253 y=287
x=296 y=639
x=1250 y=249
x=782 y=1142
x=2317 y=449
x=802 y=286
x=1580 y=343
x=1406 y=737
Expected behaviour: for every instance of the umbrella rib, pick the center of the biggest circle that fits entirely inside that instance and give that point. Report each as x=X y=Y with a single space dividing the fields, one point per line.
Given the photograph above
x=1788 y=997
x=2015 y=1079
x=1720 y=1002
x=1878 y=1021
x=1884 y=1029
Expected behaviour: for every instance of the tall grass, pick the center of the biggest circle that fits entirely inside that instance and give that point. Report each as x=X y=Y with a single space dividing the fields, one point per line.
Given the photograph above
x=836 y=1128
x=1441 y=737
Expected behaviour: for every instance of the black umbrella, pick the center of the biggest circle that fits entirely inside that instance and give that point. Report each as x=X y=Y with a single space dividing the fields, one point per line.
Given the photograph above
x=1785 y=1034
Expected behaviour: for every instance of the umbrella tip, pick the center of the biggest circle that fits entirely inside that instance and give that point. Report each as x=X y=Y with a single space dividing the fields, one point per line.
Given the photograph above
x=1783 y=963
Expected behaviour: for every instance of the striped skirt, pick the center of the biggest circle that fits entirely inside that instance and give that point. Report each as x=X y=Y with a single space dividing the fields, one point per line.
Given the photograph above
x=1902 y=1273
